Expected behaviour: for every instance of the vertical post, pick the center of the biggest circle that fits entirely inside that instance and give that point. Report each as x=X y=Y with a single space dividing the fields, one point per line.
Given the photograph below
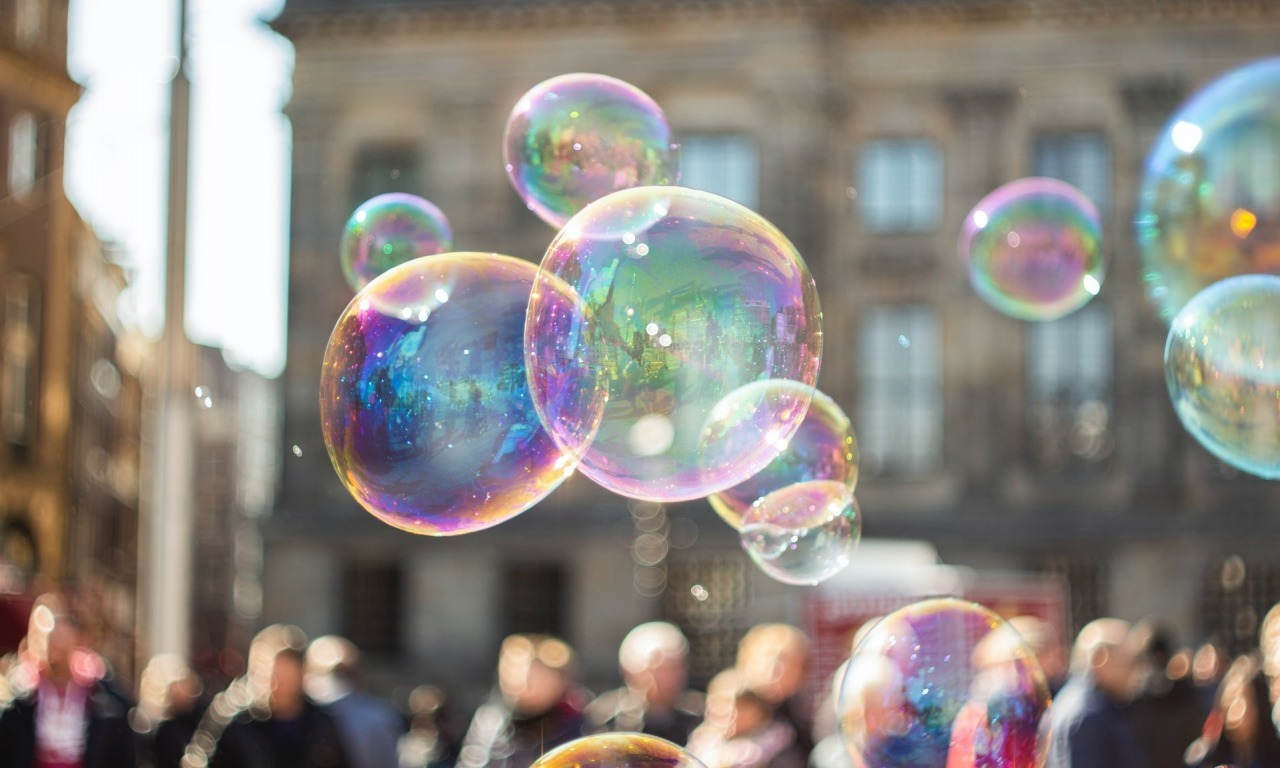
x=170 y=542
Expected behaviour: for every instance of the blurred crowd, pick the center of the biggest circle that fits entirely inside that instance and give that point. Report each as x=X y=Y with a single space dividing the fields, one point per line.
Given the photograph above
x=1124 y=696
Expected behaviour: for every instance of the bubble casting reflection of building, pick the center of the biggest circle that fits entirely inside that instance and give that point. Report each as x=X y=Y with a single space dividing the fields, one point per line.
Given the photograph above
x=865 y=131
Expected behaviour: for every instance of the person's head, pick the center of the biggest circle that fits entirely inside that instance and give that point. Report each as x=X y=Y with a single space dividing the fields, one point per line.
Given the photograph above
x=1152 y=649
x=652 y=658
x=263 y=649
x=1102 y=651
x=1045 y=642
x=772 y=659
x=286 y=698
x=534 y=672
x=332 y=668
x=168 y=687
x=732 y=707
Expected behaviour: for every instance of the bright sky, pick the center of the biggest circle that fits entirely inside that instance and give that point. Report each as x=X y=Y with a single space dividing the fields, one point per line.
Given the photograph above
x=123 y=52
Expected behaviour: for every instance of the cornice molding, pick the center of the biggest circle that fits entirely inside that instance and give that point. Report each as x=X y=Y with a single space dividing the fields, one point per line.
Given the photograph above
x=34 y=83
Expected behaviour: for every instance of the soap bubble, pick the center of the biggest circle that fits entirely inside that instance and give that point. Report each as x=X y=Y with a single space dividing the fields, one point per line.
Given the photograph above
x=943 y=682
x=576 y=138
x=1209 y=206
x=803 y=533
x=1033 y=249
x=618 y=750
x=663 y=324
x=424 y=402
x=388 y=230
x=1222 y=366
x=823 y=448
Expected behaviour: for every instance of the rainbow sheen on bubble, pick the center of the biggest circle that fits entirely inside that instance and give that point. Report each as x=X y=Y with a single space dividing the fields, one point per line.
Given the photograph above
x=575 y=138
x=822 y=448
x=1033 y=249
x=618 y=750
x=1209 y=206
x=943 y=682
x=1222 y=367
x=388 y=230
x=803 y=533
x=682 y=297
x=424 y=401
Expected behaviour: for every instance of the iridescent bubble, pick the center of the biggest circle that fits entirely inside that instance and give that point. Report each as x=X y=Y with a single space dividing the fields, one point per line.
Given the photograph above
x=576 y=138
x=1033 y=249
x=823 y=448
x=424 y=402
x=618 y=750
x=646 y=333
x=388 y=230
x=1222 y=366
x=803 y=533
x=943 y=682
x=1209 y=206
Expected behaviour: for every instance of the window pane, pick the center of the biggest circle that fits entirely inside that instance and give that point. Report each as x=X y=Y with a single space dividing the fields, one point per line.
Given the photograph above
x=384 y=169
x=900 y=403
x=1069 y=398
x=371 y=605
x=900 y=185
x=1080 y=159
x=727 y=165
x=21 y=350
x=22 y=154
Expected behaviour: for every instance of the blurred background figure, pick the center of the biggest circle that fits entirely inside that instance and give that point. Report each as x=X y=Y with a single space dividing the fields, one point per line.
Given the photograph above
x=1166 y=715
x=169 y=709
x=277 y=726
x=773 y=660
x=739 y=729
x=537 y=706
x=1208 y=665
x=830 y=749
x=429 y=742
x=1045 y=642
x=63 y=712
x=369 y=727
x=1238 y=731
x=1089 y=726
x=654 y=698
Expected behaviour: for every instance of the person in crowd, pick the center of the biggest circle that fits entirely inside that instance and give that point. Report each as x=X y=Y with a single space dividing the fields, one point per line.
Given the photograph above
x=369 y=727
x=830 y=749
x=1089 y=726
x=773 y=660
x=63 y=712
x=169 y=709
x=739 y=729
x=429 y=742
x=1165 y=712
x=1047 y=645
x=537 y=705
x=280 y=727
x=1238 y=731
x=654 y=697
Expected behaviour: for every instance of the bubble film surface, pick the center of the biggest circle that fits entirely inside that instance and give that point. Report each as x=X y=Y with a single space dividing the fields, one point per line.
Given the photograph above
x=424 y=402
x=823 y=448
x=618 y=750
x=803 y=533
x=670 y=299
x=575 y=138
x=1033 y=249
x=1209 y=206
x=388 y=230
x=943 y=682
x=1222 y=367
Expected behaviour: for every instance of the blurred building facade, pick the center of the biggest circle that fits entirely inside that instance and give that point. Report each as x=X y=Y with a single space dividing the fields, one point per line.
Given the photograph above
x=865 y=130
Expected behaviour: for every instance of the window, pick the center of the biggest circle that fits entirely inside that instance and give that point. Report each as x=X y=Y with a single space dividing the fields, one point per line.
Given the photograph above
x=372 y=610
x=707 y=598
x=382 y=169
x=900 y=185
x=1236 y=595
x=29 y=22
x=1069 y=372
x=1083 y=160
x=1086 y=580
x=534 y=598
x=900 y=390
x=23 y=155
x=19 y=387
x=728 y=165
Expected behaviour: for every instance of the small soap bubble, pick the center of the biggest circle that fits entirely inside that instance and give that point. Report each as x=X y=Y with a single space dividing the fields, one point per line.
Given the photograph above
x=803 y=533
x=389 y=230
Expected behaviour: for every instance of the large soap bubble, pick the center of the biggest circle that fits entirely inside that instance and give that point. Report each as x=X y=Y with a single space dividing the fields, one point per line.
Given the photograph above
x=424 y=402
x=1222 y=366
x=823 y=448
x=1210 y=200
x=1033 y=249
x=388 y=230
x=618 y=750
x=803 y=533
x=682 y=297
x=575 y=138
x=943 y=682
